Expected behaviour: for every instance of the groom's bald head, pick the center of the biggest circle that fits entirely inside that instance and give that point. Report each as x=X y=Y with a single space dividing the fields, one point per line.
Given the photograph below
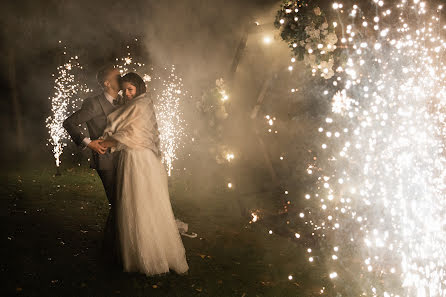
x=107 y=77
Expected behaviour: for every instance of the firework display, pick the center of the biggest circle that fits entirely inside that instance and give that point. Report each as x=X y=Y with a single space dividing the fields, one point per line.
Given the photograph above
x=69 y=93
x=380 y=170
x=376 y=209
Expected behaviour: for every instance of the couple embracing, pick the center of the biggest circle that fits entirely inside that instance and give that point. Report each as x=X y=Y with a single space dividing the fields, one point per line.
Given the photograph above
x=141 y=234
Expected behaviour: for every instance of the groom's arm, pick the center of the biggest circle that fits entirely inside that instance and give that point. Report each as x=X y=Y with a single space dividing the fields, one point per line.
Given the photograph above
x=71 y=124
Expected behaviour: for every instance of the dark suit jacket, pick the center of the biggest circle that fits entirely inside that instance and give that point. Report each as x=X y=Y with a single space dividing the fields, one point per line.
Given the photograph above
x=94 y=112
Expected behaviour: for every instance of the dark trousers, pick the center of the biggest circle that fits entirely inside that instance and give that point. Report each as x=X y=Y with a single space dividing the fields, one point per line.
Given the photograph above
x=110 y=243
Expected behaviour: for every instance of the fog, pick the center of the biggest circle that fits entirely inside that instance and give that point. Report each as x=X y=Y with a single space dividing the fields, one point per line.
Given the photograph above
x=200 y=38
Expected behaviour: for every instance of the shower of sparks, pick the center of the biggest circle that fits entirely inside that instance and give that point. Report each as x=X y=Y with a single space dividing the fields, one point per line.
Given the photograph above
x=381 y=176
x=255 y=217
x=128 y=64
x=68 y=91
x=229 y=157
x=170 y=118
x=341 y=103
x=270 y=122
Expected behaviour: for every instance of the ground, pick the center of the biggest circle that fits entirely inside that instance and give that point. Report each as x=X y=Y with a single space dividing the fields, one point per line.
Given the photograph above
x=52 y=230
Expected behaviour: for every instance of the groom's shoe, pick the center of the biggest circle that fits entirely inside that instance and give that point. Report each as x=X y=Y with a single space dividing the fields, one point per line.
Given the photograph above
x=112 y=255
x=111 y=262
x=107 y=255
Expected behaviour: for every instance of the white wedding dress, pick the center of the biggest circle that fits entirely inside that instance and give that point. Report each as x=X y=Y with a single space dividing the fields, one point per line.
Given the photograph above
x=149 y=238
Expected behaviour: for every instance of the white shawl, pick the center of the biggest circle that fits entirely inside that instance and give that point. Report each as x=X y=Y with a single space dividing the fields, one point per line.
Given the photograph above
x=134 y=126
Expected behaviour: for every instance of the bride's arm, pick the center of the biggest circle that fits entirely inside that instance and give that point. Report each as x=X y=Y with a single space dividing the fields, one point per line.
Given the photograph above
x=135 y=127
x=125 y=129
x=119 y=123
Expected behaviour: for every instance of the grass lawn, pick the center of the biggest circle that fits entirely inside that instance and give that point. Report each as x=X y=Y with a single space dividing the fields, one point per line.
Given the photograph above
x=52 y=230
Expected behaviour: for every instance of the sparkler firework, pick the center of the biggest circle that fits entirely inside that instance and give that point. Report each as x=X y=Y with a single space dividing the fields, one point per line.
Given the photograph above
x=381 y=171
x=169 y=117
x=68 y=91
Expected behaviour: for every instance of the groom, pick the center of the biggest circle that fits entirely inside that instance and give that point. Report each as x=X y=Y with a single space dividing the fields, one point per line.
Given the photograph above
x=94 y=113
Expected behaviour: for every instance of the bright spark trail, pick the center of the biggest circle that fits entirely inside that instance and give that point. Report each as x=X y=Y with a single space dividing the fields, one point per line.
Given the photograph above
x=67 y=91
x=169 y=115
x=381 y=168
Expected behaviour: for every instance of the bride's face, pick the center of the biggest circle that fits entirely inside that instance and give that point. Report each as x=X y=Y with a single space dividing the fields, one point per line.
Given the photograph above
x=129 y=90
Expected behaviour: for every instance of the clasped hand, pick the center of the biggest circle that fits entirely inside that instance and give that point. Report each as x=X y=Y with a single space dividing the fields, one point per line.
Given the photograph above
x=101 y=145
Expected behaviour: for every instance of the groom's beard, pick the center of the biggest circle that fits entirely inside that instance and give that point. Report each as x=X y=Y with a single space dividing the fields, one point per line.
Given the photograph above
x=116 y=89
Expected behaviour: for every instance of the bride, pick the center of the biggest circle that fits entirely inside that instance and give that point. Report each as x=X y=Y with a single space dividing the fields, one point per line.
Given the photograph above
x=149 y=238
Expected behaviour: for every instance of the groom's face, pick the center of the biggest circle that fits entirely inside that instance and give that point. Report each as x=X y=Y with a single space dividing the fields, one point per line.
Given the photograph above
x=112 y=80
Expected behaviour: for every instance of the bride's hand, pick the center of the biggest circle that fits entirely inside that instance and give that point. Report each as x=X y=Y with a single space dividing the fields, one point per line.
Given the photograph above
x=109 y=143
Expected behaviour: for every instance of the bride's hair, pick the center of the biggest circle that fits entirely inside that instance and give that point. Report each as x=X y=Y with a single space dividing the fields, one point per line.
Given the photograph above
x=135 y=80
